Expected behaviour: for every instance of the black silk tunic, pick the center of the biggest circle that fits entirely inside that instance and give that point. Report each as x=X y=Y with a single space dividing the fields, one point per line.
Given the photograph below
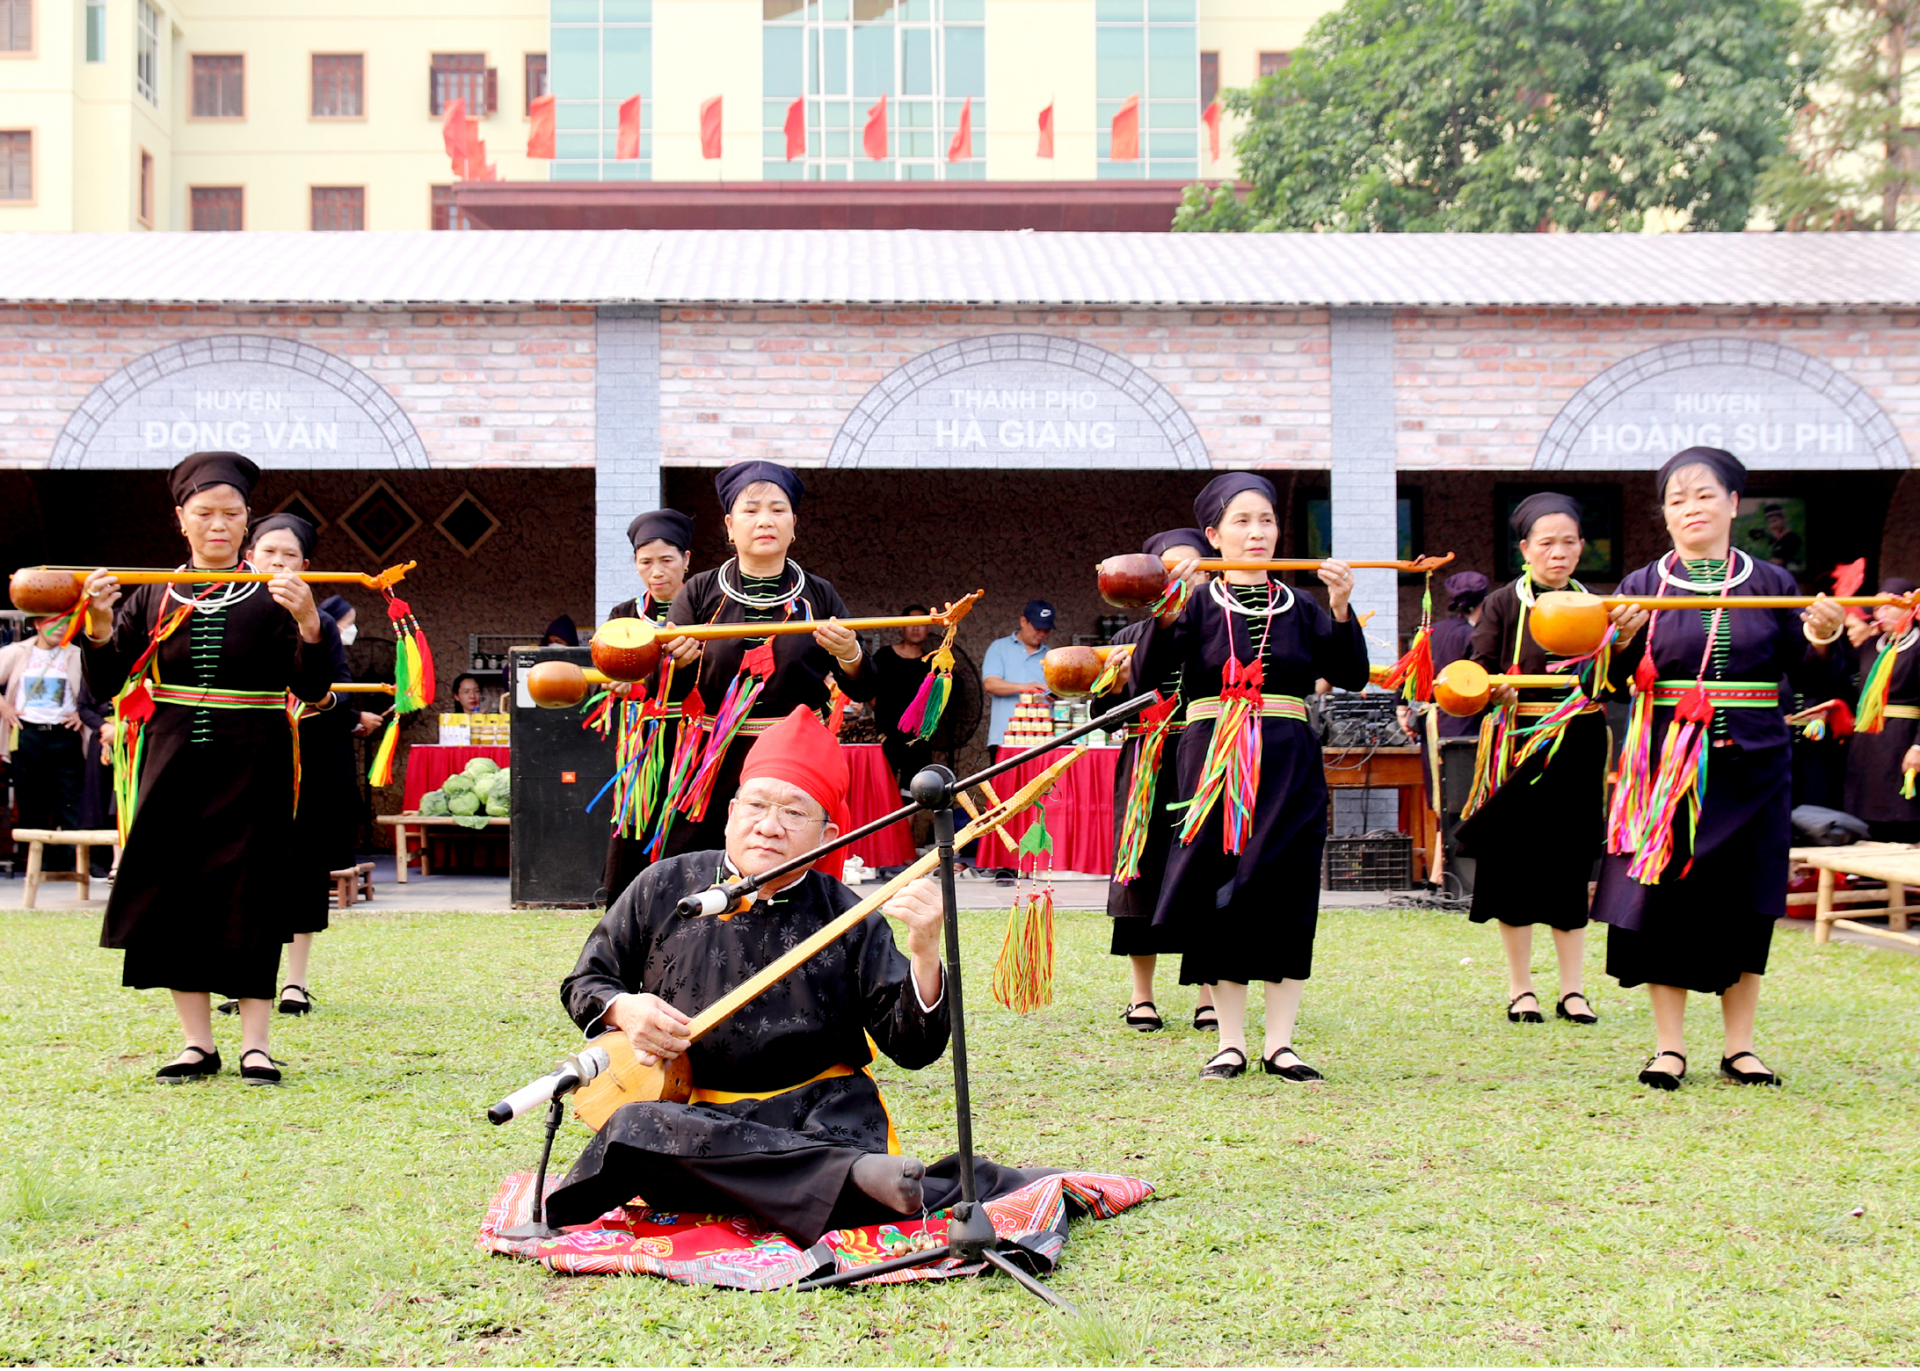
x=1874 y=774
x=800 y=670
x=785 y=1159
x=210 y=875
x=1252 y=917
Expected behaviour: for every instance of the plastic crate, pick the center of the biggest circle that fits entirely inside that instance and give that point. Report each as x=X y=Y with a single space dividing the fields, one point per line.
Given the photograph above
x=1370 y=863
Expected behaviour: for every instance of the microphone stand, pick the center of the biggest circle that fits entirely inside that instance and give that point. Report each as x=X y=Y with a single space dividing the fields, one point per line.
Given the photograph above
x=536 y=1226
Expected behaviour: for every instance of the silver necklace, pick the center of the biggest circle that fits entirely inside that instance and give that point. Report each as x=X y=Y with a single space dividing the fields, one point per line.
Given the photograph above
x=1906 y=641
x=740 y=597
x=1736 y=574
x=1225 y=599
x=230 y=593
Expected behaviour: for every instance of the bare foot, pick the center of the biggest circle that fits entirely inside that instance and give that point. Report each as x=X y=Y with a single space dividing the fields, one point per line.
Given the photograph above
x=893 y=1181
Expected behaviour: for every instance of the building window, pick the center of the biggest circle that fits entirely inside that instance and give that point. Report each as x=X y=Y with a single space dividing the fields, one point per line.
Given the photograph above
x=339 y=85
x=926 y=56
x=16 y=25
x=536 y=78
x=1272 y=63
x=464 y=76
x=339 y=209
x=146 y=187
x=96 y=30
x=599 y=54
x=219 y=87
x=146 y=58
x=1209 y=79
x=16 y=165
x=218 y=209
x=1149 y=48
x=446 y=210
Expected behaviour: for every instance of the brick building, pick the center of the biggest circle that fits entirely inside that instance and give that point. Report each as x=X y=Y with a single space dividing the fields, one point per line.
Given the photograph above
x=996 y=410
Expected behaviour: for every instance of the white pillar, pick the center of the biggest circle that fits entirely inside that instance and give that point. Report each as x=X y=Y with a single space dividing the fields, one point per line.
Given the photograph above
x=626 y=439
x=1364 y=498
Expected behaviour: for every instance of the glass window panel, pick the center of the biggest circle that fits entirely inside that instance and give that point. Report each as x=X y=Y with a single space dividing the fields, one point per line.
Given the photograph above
x=624 y=171
x=1106 y=10
x=1119 y=171
x=833 y=47
x=1173 y=61
x=575 y=171
x=628 y=11
x=916 y=143
x=916 y=61
x=782 y=64
x=913 y=114
x=574 y=11
x=629 y=61
x=1161 y=144
x=574 y=59
x=1120 y=58
x=868 y=170
x=836 y=143
x=837 y=114
x=916 y=10
x=96 y=30
x=873 y=60
x=920 y=171
x=833 y=11
x=966 y=11
x=1163 y=10
x=773 y=113
x=576 y=144
x=576 y=114
x=966 y=61
x=837 y=171
x=1173 y=171
x=783 y=171
x=1168 y=114
x=872 y=11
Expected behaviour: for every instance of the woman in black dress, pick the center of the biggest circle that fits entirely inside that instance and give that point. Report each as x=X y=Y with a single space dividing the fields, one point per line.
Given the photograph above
x=1692 y=902
x=1244 y=896
x=758 y=584
x=1131 y=897
x=1879 y=763
x=1536 y=838
x=209 y=875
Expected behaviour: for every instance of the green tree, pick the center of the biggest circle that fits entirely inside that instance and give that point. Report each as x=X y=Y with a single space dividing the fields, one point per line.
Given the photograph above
x=1852 y=159
x=1514 y=115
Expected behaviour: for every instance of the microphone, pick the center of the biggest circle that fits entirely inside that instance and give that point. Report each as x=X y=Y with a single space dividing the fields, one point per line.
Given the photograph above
x=713 y=900
x=572 y=1073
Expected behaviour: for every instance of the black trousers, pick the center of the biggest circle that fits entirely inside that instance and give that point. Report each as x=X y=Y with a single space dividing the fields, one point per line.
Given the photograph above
x=48 y=769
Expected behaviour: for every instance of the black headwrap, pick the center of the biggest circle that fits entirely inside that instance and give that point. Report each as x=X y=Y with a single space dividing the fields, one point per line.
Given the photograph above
x=302 y=531
x=1897 y=585
x=1465 y=589
x=1538 y=506
x=668 y=525
x=336 y=607
x=1723 y=464
x=205 y=469
x=563 y=629
x=730 y=481
x=1158 y=544
x=1212 y=502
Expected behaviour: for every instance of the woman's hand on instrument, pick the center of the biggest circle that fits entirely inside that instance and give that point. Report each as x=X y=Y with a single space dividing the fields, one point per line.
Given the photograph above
x=1189 y=571
x=368 y=726
x=655 y=1028
x=918 y=906
x=1911 y=761
x=841 y=642
x=1337 y=577
x=103 y=593
x=1824 y=620
x=296 y=597
x=685 y=651
x=1504 y=695
x=1627 y=621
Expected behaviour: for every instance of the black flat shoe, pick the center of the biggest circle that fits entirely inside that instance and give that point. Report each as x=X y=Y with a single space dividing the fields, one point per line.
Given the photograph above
x=1560 y=1009
x=303 y=1005
x=1525 y=1015
x=227 y=1007
x=1205 y=1020
x=1218 y=1068
x=1739 y=1077
x=1663 y=1080
x=259 y=1075
x=1299 y=1072
x=179 y=1073
x=1149 y=1022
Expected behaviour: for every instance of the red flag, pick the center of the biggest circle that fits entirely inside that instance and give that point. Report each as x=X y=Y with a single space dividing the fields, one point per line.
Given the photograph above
x=874 y=140
x=476 y=158
x=453 y=135
x=797 y=129
x=961 y=148
x=626 y=145
x=1210 y=116
x=540 y=128
x=710 y=129
x=1046 y=131
x=1126 y=131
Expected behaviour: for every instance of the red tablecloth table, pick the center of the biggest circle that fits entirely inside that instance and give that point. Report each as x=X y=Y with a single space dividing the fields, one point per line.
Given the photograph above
x=429 y=765
x=1079 y=811
x=874 y=791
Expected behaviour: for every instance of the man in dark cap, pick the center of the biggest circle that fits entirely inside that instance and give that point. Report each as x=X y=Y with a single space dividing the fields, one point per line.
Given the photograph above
x=1012 y=666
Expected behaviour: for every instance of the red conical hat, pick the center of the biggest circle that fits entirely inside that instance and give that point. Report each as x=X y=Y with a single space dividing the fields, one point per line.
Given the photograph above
x=800 y=751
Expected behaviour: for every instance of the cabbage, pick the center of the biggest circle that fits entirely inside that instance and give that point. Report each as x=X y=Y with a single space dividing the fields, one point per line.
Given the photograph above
x=470 y=821
x=481 y=766
x=458 y=785
x=434 y=802
x=483 y=787
x=497 y=804
x=468 y=803
x=501 y=781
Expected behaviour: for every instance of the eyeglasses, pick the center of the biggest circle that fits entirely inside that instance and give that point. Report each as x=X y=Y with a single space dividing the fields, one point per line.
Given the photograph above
x=786 y=816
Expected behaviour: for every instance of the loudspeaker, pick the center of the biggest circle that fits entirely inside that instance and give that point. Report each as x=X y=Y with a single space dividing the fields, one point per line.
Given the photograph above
x=558 y=850
x=1456 y=783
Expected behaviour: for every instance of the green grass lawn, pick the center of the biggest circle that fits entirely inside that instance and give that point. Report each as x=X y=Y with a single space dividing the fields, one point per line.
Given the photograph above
x=1459 y=1191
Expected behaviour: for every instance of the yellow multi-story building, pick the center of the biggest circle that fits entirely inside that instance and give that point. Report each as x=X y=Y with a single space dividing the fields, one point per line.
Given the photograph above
x=326 y=114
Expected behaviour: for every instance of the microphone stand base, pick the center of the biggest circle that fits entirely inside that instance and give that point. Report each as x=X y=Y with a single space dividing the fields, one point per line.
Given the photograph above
x=536 y=1228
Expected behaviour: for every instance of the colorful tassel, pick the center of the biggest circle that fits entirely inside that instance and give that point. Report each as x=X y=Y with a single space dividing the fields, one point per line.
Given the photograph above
x=1172 y=600
x=413 y=678
x=687 y=747
x=1117 y=660
x=1231 y=773
x=1682 y=777
x=916 y=710
x=381 y=772
x=1156 y=722
x=1872 y=716
x=736 y=707
x=1906 y=783
x=1831 y=718
x=1023 y=974
x=836 y=706
x=922 y=716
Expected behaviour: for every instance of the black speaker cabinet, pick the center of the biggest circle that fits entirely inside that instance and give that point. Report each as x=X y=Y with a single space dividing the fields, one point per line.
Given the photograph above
x=1456 y=782
x=558 y=849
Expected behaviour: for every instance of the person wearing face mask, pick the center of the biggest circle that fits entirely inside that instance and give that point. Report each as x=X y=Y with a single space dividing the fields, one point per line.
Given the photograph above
x=1879 y=764
x=209 y=873
x=1242 y=883
x=1538 y=835
x=1692 y=887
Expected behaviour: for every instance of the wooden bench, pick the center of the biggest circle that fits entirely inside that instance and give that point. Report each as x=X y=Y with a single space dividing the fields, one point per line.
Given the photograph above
x=352 y=883
x=1897 y=864
x=81 y=840
x=400 y=823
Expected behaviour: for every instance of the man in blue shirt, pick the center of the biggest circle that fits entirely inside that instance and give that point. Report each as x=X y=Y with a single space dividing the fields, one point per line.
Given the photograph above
x=1012 y=666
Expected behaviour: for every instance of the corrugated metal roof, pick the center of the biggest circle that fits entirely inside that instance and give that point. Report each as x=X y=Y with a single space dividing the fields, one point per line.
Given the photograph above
x=913 y=268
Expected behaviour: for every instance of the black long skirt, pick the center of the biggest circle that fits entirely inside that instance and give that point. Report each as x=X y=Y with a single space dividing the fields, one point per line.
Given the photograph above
x=1131 y=905
x=1535 y=841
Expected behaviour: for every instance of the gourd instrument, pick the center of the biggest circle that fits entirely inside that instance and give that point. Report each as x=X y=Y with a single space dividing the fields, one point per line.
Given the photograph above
x=1573 y=623
x=58 y=589
x=1136 y=579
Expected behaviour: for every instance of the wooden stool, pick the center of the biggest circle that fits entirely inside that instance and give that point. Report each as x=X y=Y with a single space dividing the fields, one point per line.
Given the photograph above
x=81 y=840
x=352 y=883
